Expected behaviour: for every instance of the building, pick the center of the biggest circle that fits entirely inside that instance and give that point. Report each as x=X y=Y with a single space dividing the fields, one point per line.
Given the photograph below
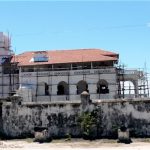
x=65 y=74
x=9 y=76
x=62 y=75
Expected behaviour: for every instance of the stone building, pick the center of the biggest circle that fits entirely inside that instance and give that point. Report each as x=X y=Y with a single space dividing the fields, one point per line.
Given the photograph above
x=63 y=75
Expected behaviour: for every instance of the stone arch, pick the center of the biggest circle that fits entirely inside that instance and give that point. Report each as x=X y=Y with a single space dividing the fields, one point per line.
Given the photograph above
x=42 y=89
x=62 y=88
x=82 y=86
x=128 y=88
x=102 y=87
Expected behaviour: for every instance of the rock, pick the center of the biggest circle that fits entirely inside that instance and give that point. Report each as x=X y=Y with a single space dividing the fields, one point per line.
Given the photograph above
x=41 y=135
x=124 y=136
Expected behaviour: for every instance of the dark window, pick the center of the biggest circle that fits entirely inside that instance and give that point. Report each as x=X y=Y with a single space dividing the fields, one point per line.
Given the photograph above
x=62 y=88
x=82 y=86
x=102 y=87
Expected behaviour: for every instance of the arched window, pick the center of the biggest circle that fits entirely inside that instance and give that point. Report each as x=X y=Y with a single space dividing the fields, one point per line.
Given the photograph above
x=62 y=88
x=42 y=89
x=82 y=86
x=102 y=87
x=127 y=88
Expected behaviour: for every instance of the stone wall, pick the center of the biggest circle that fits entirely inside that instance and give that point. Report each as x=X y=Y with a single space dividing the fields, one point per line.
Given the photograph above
x=62 y=118
x=133 y=114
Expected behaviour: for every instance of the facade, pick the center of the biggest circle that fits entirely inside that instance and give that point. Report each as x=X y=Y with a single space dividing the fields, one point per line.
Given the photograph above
x=62 y=75
x=65 y=74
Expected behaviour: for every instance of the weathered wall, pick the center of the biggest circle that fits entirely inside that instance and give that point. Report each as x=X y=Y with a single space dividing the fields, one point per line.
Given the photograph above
x=19 y=119
x=133 y=114
x=61 y=118
x=53 y=78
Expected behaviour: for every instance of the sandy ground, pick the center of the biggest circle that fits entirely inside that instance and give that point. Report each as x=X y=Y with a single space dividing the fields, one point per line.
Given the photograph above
x=77 y=144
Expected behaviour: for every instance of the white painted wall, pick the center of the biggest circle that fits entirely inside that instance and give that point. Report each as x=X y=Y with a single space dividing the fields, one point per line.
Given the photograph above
x=92 y=77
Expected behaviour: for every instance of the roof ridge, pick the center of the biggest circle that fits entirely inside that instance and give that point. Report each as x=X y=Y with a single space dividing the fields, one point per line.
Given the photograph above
x=59 y=50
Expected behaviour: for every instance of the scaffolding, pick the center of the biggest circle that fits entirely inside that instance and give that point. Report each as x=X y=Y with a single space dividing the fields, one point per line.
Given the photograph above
x=9 y=78
x=9 y=74
x=126 y=87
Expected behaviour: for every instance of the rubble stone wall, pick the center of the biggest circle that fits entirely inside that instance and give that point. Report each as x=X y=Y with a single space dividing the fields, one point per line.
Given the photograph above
x=62 y=118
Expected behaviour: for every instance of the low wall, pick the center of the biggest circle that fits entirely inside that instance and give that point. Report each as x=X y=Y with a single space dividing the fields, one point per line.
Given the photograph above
x=62 y=118
x=133 y=114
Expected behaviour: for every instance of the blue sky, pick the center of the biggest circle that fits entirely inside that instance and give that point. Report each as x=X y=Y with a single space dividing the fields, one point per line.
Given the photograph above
x=119 y=26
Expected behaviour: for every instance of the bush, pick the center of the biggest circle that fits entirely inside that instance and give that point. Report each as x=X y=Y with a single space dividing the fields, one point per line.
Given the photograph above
x=88 y=125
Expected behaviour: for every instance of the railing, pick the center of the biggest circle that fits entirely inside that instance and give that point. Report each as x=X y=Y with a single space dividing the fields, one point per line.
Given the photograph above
x=69 y=72
x=131 y=72
x=64 y=68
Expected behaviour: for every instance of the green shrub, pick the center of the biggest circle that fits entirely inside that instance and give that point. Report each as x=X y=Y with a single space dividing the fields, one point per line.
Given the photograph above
x=88 y=122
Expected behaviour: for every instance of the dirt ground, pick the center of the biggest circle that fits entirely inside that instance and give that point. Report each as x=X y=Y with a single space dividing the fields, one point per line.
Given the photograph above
x=76 y=144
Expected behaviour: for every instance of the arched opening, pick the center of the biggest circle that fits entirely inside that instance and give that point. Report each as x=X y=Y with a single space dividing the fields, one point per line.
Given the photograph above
x=127 y=89
x=82 y=86
x=62 y=88
x=42 y=89
x=102 y=87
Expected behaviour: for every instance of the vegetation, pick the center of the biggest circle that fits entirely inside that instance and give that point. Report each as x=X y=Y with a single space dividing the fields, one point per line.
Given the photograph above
x=68 y=137
x=88 y=124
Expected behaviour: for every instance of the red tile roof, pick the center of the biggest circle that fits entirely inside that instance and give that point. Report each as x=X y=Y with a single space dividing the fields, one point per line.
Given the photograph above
x=67 y=56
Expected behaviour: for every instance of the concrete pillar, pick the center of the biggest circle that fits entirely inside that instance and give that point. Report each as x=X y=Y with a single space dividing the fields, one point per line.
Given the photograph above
x=85 y=100
x=73 y=89
x=92 y=88
x=20 y=77
x=16 y=100
x=91 y=65
x=136 y=88
x=71 y=67
x=54 y=90
x=52 y=67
